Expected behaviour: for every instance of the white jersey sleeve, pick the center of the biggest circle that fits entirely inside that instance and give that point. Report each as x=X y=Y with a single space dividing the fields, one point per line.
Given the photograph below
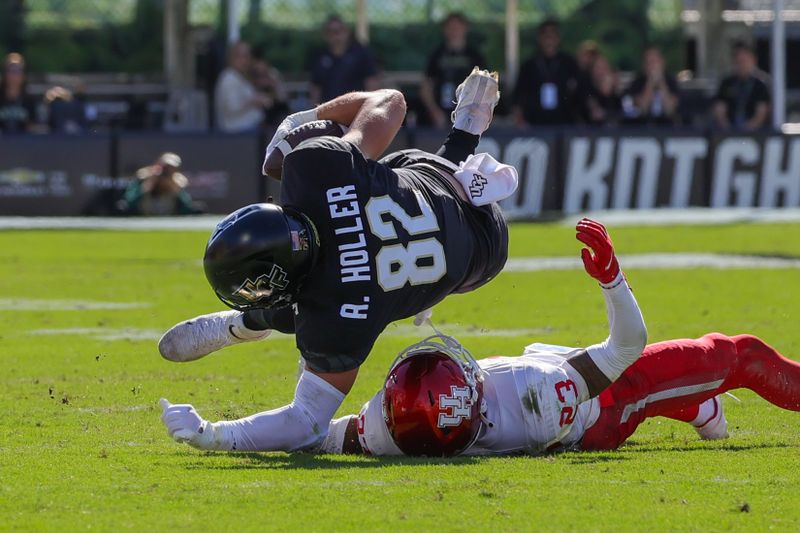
x=628 y=333
x=372 y=431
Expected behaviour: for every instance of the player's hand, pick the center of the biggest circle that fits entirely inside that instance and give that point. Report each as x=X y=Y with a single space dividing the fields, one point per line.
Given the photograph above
x=289 y=123
x=599 y=259
x=184 y=423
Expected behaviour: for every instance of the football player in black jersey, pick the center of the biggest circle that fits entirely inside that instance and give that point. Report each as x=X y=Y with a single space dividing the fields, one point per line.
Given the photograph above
x=356 y=244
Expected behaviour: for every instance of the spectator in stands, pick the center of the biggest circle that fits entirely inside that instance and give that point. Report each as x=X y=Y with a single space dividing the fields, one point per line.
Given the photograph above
x=603 y=102
x=448 y=65
x=587 y=52
x=159 y=190
x=269 y=81
x=344 y=66
x=548 y=83
x=742 y=101
x=17 y=108
x=238 y=105
x=66 y=110
x=652 y=97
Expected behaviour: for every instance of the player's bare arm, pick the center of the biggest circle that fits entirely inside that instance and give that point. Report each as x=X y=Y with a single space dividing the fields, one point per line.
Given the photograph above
x=374 y=118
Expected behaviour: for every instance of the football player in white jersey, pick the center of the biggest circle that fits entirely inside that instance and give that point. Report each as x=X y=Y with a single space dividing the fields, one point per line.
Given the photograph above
x=438 y=401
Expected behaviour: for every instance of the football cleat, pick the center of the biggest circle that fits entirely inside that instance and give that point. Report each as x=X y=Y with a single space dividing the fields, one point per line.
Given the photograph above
x=476 y=99
x=205 y=334
x=716 y=427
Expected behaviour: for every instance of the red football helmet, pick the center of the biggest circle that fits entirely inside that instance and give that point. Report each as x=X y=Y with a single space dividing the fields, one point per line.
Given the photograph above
x=432 y=398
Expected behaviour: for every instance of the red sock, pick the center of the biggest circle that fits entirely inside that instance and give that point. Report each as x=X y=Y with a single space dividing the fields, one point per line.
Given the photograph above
x=687 y=414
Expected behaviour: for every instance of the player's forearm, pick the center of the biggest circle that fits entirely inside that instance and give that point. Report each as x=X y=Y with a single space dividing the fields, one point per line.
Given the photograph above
x=374 y=118
x=297 y=426
x=628 y=333
x=344 y=109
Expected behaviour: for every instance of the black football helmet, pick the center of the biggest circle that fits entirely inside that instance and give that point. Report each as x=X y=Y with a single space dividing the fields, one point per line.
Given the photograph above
x=258 y=256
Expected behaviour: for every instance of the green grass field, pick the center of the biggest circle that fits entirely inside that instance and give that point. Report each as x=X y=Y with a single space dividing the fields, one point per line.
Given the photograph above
x=82 y=446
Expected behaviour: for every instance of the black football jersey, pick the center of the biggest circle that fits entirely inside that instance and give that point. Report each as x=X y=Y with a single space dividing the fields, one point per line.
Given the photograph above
x=394 y=239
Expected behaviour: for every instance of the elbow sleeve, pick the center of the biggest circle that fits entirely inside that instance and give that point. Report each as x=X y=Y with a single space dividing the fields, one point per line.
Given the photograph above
x=628 y=335
x=301 y=425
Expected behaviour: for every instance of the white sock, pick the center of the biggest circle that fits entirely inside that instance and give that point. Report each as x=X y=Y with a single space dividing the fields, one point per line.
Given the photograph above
x=707 y=411
x=301 y=425
x=241 y=331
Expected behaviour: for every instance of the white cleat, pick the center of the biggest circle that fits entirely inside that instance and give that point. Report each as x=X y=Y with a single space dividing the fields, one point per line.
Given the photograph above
x=476 y=99
x=717 y=427
x=202 y=335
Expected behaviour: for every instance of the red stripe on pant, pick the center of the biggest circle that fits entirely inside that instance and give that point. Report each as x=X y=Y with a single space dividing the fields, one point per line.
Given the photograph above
x=677 y=375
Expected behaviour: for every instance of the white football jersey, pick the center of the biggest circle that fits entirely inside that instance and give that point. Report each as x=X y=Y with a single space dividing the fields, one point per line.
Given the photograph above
x=535 y=402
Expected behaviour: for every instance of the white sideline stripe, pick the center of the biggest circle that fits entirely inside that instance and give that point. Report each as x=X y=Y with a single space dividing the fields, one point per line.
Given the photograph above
x=28 y=304
x=103 y=334
x=668 y=261
x=690 y=216
x=399 y=330
x=189 y=223
x=666 y=394
x=613 y=218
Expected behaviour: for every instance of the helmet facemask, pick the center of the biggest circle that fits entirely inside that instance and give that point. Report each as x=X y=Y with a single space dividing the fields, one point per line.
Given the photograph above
x=433 y=398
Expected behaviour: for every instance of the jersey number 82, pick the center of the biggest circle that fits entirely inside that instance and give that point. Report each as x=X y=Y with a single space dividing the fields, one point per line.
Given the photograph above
x=398 y=264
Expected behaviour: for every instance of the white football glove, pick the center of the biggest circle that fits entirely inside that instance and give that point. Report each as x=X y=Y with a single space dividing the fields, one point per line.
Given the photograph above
x=184 y=424
x=289 y=123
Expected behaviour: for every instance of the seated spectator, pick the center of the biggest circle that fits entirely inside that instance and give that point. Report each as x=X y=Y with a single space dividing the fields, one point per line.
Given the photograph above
x=548 y=83
x=268 y=81
x=448 y=65
x=603 y=102
x=17 y=108
x=66 y=110
x=652 y=97
x=742 y=101
x=159 y=190
x=343 y=66
x=238 y=106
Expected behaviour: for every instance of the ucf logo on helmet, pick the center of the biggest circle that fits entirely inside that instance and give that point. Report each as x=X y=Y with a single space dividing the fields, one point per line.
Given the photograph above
x=454 y=408
x=263 y=285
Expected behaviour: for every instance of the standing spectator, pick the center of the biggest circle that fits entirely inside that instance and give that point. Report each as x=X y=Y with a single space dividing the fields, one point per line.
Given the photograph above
x=159 y=190
x=587 y=53
x=548 y=82
x=652 y=97
x=238 y=105
x=603 y=102
x=448 y=65
x=269 y=81
x=344 y=66
x=17 y=108
x=742 y=101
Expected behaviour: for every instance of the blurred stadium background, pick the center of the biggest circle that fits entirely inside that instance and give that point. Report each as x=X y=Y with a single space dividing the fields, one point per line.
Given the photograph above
x=111 y=85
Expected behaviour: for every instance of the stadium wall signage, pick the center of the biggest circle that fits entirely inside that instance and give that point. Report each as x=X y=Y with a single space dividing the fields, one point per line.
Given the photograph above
x=560 y=171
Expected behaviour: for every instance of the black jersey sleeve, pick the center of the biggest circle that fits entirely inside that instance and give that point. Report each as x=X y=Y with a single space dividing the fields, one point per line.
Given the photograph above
x=313 y=162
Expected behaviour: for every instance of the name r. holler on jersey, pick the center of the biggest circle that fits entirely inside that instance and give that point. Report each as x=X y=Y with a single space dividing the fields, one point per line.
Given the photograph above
x=353 y=257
